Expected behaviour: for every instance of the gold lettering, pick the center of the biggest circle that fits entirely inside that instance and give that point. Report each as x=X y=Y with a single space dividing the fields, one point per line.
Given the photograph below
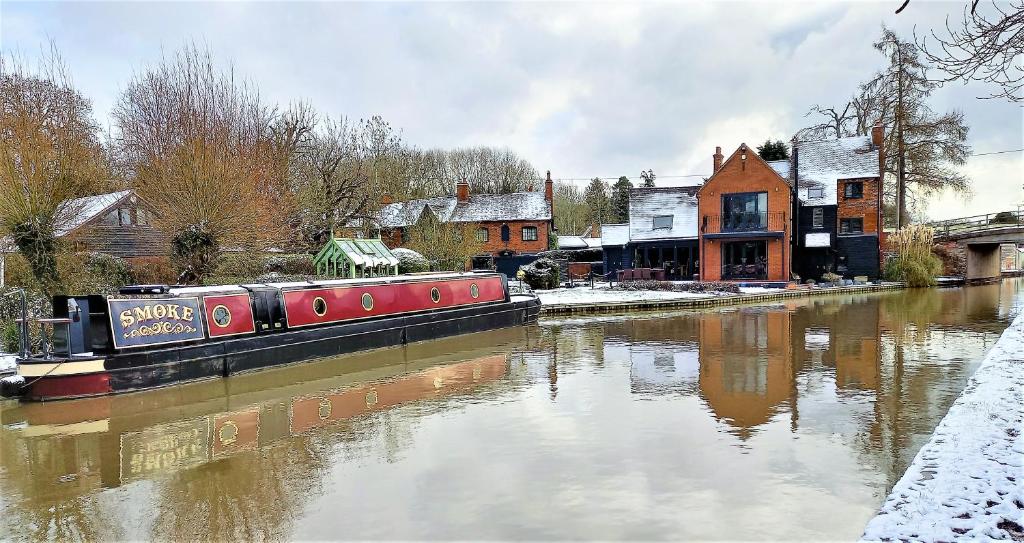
x=186 y=313
x=127 y=319
x=172 y=312
x=143 y=313
x=159 y=311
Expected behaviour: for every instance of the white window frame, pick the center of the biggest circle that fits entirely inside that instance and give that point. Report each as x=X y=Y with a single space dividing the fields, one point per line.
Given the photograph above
x=534 y=232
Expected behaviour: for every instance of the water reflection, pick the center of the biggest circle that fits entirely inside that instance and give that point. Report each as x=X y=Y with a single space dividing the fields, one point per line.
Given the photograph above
x=717 y=424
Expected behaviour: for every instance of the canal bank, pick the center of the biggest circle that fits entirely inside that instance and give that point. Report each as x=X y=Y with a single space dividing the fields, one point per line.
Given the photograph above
x=697 y=301
x=967 y=482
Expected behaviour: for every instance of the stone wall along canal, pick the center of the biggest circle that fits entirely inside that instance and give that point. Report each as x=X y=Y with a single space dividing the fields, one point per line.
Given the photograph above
x=782 y=421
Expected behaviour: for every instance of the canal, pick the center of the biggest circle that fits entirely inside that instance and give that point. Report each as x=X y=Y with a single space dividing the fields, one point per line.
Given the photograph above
x=779 y=421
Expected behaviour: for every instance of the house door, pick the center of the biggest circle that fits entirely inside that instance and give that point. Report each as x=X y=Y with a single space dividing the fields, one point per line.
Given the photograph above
x=745 y=260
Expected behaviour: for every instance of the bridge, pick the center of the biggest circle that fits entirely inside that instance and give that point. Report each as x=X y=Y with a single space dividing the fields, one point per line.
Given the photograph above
x=980 y=237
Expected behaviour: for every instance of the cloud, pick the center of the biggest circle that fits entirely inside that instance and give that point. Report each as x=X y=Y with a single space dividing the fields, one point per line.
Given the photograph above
x=581 y=89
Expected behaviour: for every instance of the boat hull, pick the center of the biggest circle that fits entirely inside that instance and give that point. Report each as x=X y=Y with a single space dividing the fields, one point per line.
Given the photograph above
x=134 y=371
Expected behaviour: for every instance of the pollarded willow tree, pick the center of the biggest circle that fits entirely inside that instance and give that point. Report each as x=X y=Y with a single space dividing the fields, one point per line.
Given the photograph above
x=199 y=146
x=49 y=154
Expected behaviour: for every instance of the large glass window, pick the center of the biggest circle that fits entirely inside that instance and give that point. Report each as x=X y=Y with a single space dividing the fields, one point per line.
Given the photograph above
x=745 y=260
x=747 y=211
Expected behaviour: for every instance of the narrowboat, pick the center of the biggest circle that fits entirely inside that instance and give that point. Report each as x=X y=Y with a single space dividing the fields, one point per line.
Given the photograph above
x=154 y=336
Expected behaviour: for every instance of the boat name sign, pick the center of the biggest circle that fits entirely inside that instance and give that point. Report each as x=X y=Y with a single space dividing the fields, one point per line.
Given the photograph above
x=143 y=322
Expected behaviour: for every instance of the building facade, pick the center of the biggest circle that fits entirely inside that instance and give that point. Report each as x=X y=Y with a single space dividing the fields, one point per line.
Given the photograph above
x=661 y=233
x=745 y=212
x=512 y=224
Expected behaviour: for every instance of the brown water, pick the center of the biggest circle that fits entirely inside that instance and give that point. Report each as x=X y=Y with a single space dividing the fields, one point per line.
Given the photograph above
x=784 y=421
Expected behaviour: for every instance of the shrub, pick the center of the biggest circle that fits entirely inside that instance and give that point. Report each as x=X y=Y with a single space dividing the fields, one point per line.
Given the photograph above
x=298 y=264
x=152 y=270
x=1004 y=217
x=542 y=273
x=695 y=286
x=830 y=277
x=9 y=337
x=912 y=261
x=954 y=261
x=410 y=261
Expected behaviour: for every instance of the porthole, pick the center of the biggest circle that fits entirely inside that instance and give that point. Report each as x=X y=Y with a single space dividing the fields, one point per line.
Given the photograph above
x=325 y=408
x=319 y=306
x=474 y=291
x=228 y=433
x=367 y=301
x=221 y=316
x=435 y=295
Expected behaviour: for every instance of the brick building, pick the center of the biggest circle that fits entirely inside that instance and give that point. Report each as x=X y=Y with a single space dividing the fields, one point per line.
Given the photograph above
x=507 y=224
x=745 y=212
x=839 y=217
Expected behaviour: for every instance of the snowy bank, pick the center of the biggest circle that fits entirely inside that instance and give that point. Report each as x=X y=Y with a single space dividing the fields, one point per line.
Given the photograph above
x=599 y=295
x=967 y=482
x=7 y=364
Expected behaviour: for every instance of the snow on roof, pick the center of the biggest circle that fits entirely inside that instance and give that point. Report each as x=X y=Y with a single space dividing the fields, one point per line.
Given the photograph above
x=517 y=206
x=821 y=164
x=571 y=242
x=83 y=210
x=592 y=243
x=781 y=167
x=614 y=234
x=76 y=213
x=645 y=204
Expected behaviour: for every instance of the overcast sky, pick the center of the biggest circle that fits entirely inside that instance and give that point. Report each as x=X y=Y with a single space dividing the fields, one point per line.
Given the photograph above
x=582 y=90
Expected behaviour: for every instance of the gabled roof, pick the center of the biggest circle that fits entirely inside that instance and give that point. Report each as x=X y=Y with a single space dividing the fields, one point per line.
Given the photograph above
x=83 y=210
x=78 y=212
x=752 y=155
x=820 y=164
x=647 y=203
x=517 y=206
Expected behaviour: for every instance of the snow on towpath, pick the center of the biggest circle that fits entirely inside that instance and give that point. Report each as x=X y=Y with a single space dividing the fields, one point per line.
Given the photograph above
x=967 y=482
x=598 y=295
x=7 y=364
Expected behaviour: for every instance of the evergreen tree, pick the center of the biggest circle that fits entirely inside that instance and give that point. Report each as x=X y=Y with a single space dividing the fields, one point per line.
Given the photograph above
x=598 y=204
x=648 y=178
x=620 y=200
x=773 y=150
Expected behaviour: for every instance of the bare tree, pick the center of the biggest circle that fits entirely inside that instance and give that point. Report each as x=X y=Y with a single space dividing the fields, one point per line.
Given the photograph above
x=570 y=209
x=49 y=154
x=985 y=46
x=198 y=146
x=332 y=181
x=447 y=245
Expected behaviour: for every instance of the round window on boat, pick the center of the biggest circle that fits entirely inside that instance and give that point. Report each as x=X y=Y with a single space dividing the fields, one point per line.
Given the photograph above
x=367 y=301
x=221 y=316
x=474 y=291
x=319 y=306
x=435 y=295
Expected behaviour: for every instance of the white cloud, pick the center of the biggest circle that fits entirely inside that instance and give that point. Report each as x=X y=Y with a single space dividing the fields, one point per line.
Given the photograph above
x=580 y=89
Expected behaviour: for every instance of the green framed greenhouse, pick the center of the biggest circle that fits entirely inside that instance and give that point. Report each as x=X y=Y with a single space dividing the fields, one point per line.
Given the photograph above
x=349 y=258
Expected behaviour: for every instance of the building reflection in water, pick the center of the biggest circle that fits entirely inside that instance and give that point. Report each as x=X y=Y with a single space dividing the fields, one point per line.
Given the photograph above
x=278 y=429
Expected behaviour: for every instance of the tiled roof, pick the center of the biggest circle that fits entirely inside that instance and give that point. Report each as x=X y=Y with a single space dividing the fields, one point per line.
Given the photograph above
x=781 y=167
x=77 y=212
x=820 y=164
x=647 y=203
x=517 y=206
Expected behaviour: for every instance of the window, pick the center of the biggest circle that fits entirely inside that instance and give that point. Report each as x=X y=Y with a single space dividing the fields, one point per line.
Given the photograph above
x=815 y=192
x=482 y=235
x=662 y=221
x=745 y=260
x=851 y=226
x=505 y=234
x=529 y=233
x=747 y=211
x=854 y=189
x=818 y=218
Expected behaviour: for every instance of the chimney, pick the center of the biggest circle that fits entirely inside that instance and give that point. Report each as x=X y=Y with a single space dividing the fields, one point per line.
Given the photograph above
x=549 y=188
x=877 y=135
x=462 y=190
x=717 y=160
x=386 y=199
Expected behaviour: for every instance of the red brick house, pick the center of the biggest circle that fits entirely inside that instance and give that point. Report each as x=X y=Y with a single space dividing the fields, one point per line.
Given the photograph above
x=744 y=215
x=506 y=224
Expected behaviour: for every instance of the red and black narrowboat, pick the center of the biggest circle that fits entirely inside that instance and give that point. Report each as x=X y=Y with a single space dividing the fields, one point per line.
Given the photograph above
x=155 y=336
